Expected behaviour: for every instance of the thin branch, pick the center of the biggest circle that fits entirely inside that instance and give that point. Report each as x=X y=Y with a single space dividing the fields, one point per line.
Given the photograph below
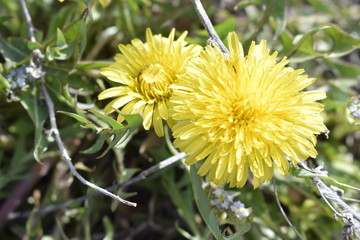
x=321 y=190
x=345 y=185
x=214 y=37
x=50 y=106
x=350 y=199
x=54 y=129
x=330 y=195
x=141 y=176
x=348 y=214
x=27 y=17
x=283 y=212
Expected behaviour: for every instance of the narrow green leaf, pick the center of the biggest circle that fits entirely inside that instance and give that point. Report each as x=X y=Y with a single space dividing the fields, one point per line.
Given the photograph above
x=345 y=69
x=90 y=65
x=225 y=27
x=222 y=29
x=13 y=50
x=102 y=136
x=109 y=228
x=56 y=53
x=4 y=83
x=337 y=94
x=81 y=119
x=181 y=195
x=75 y=36
x=62 y=17
x=343 y=42
x=127 y=173
x=60 y=39
x=113 y=123
x=203 y=205
x=38 y=113
x=133 y=121
x=287 y=41
x=304 y=43
x=117 y=138
x=62 y=50
x=40 y=142
x=118 y=131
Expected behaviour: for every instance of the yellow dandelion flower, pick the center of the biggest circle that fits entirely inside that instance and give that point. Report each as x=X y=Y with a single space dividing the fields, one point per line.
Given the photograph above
x=244 y=112
x=145 y=71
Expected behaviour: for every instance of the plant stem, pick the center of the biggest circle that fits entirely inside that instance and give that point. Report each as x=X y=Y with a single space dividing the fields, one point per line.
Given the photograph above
x=214 y=37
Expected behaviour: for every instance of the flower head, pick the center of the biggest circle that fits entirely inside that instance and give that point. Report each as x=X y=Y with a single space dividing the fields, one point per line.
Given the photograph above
x=145 y=71
x=244 y=112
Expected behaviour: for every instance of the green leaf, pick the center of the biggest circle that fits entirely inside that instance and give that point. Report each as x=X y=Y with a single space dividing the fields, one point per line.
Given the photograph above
x=225 y=27
x=181 y=194
x=127 y=173
x=304 y=43
x=4 y=83
x=98 y=144
x=63 y=17
x=70 y=43
x=203 y=205
x=222 y=29
x=75 y=36
x=131 y=121
x=109 y=228
x=343 y=42
x=113 y=123
x=337 y=94
x=56 y=53
x=119 y=137
x=60 y=39
x=81 y=119
x=90 y=65
x=120 y=132
x=38 y=113
x=344 y=69
x=62 y=50
x=14 y=49
x=340 y=44
x=287 y=41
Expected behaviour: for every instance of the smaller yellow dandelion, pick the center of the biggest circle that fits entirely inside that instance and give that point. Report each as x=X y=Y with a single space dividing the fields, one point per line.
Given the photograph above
x=244 y=113
x=145 y=71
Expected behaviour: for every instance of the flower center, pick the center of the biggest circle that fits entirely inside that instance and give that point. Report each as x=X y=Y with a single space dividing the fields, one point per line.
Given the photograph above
x=153 y=82
x=243 y=111
x=153 y=73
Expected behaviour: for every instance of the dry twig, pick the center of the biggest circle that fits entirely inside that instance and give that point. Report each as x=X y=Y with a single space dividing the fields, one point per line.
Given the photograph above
x=141 y=176
x=214 y=37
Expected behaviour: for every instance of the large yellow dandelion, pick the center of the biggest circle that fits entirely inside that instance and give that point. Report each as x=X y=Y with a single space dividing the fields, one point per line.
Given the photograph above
x=244 y=112
x=145 y=71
